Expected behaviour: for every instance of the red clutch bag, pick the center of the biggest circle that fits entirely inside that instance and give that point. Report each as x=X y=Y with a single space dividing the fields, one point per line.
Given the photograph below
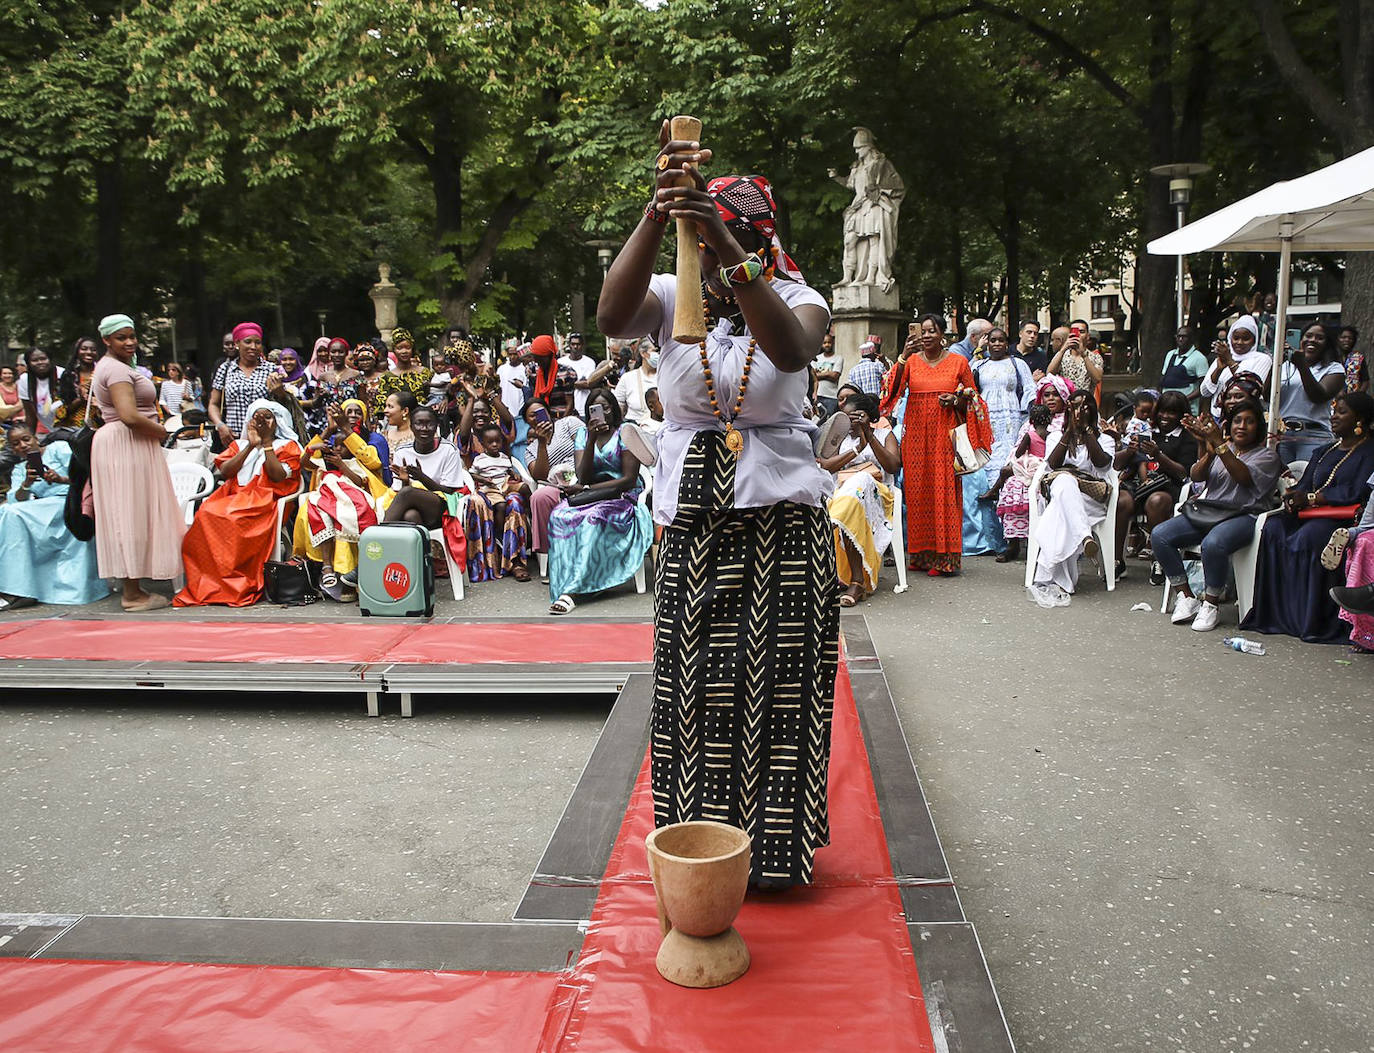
x=1329 y=512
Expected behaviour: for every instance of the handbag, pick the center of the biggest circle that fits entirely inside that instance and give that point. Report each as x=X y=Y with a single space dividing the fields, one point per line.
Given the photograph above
x=1090 y=486
x=287 y=582
x=1204 y=514
x=1341 y=512
x=967 y=460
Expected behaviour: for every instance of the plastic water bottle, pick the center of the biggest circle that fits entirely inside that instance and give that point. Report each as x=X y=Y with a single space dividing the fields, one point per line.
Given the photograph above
x=1240 y=643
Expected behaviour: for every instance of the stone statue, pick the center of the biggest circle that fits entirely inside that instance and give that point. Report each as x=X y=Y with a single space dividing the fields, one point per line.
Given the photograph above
x=870 y=220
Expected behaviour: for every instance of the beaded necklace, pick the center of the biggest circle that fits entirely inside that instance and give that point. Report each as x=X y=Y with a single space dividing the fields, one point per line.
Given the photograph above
x=1332 y=474
x=734 y=441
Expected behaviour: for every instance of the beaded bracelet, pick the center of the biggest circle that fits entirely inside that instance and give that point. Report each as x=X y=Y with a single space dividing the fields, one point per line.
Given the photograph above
x=742 y=273
x=651 y=211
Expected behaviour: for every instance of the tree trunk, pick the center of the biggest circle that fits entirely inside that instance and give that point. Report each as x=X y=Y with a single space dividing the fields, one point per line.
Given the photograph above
x=109 y=214
x=958 y=316
x=1011 y=243
x=1357 y=296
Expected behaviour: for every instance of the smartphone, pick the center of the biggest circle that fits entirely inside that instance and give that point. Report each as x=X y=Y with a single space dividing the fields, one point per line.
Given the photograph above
x=541 y=415
x=35 y=460
x=914 y=329
x=597 y=413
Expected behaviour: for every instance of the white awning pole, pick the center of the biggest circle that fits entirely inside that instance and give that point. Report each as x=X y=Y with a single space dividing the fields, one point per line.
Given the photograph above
x=1281 y=317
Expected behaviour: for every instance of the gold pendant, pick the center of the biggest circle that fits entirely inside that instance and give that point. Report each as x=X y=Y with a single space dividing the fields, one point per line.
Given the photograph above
x=734 y=441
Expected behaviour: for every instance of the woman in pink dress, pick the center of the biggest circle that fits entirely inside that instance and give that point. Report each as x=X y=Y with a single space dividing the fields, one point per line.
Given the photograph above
x=138 y=526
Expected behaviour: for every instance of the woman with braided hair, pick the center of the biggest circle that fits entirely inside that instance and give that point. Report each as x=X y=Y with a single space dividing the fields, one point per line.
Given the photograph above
x=746 y=619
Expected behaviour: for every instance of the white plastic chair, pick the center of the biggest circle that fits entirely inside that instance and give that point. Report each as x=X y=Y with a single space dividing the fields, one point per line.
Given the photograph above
x=282 y=502
x=191 y=482
x=456 y=571
x=1104 y=533
x=1244 y=560
x=898 y=544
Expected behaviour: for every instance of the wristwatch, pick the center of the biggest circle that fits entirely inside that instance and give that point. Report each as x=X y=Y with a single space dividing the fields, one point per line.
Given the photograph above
x=1225 y=447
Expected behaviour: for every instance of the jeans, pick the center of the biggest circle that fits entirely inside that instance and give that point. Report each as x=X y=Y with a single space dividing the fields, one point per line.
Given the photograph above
x=1217 y=546
x=1301 y=445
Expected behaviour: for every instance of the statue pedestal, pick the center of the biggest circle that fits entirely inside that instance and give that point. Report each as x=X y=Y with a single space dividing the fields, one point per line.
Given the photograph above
x=863 y=309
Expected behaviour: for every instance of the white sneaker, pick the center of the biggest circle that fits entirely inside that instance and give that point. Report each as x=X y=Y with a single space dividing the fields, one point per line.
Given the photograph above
x=1185 y=609
x=1206 y=619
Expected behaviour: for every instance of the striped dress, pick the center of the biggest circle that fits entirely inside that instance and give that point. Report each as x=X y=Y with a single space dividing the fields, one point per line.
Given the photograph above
x=746 y=649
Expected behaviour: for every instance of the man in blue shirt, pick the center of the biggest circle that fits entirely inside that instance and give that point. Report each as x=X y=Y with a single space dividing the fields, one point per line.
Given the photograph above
x=973 y=336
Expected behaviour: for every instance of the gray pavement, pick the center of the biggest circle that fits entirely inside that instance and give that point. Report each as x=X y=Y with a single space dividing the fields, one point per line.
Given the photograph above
x=1163 y=844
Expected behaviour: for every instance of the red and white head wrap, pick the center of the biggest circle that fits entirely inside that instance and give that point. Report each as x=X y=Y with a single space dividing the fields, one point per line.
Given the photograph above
x=749 y=200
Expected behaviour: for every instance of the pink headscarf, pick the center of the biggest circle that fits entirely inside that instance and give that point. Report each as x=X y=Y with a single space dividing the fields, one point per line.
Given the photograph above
x=1054 y=380
x=319 y=358
x=246 y=329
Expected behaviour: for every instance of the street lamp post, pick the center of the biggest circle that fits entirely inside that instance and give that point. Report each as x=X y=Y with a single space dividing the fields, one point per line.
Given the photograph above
x=1180 y=176
x=605 y=253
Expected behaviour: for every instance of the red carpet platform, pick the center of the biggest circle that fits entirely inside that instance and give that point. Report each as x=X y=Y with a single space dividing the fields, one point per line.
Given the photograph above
x=873 y=956
x=833 y=969
x=371 y=657
x=368 y=642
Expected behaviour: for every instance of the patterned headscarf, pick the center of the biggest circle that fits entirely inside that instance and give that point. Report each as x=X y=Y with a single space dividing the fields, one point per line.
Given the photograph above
x=749 y=200
x=402 y=336
x=462 y=352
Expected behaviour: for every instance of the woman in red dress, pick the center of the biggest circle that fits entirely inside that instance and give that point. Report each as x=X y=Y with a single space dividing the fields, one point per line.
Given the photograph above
x=935 y=381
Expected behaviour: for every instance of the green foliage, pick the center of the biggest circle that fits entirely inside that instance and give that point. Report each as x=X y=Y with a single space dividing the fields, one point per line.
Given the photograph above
x=271 y=152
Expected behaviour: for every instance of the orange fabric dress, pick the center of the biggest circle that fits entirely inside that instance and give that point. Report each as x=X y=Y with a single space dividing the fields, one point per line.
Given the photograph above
x=231 y=538
x=933 y=494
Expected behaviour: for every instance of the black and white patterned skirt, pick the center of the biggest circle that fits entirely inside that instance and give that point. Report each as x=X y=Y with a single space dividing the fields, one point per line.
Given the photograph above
x=746 y=648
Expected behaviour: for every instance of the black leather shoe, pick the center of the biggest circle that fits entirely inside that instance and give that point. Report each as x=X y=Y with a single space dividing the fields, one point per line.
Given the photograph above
x=1359 y=600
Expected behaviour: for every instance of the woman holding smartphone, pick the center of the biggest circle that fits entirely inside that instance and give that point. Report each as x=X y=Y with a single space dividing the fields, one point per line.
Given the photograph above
x=937 y=384
x=600 y=535
x=1076 y=362
x=551 y=455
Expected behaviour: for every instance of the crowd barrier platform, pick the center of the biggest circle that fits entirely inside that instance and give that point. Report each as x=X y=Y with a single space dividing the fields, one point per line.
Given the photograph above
x=875 y=955
x=369 y=657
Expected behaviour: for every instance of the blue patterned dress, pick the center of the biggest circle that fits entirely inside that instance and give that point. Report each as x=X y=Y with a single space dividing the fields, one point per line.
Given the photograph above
x=600 y=545
x=39 y=559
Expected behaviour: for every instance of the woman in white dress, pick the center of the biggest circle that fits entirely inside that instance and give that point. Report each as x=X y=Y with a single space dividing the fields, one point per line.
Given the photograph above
x=1076 y=485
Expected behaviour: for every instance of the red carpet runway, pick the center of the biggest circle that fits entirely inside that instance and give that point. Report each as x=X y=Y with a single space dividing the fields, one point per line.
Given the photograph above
x=833 y=965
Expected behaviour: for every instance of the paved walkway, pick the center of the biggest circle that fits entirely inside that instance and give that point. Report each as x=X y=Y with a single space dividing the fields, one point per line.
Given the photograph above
x=1162 y=843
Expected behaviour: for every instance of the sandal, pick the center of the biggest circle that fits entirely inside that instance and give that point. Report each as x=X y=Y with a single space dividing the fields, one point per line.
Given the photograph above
x=846 y=600
x=1335 y=549
x=563 y=605
x=155 y=601
x=519 y=573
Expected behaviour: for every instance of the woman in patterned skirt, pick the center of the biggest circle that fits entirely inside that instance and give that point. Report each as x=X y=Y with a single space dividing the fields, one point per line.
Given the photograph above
x=746 y=618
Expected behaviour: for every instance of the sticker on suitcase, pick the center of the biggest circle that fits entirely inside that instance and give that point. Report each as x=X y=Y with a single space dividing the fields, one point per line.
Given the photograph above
x=374 y=550
x=396 y=580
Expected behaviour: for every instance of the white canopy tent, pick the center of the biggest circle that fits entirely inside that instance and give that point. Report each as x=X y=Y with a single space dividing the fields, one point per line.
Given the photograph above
x=1329 y=210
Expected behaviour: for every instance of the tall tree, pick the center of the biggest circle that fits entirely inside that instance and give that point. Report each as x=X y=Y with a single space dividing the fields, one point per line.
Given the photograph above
x=1340 y=96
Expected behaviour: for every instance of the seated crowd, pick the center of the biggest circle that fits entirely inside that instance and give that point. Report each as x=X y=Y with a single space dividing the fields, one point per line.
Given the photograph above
x=1193 y=471
x=539 y=464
